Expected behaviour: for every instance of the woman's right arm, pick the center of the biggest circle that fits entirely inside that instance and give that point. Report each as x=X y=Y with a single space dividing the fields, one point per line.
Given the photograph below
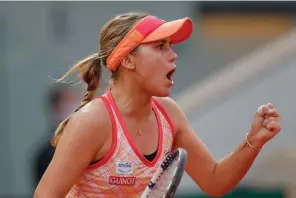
x=84 y=135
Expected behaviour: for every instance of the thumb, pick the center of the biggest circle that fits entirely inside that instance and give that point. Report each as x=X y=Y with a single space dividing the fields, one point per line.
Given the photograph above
x=263 y=110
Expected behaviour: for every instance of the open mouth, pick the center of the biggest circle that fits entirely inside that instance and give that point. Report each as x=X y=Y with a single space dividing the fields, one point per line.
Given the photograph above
x=170 y=74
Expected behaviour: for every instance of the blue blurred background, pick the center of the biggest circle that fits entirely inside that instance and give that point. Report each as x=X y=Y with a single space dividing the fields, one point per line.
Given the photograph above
x=241 y=55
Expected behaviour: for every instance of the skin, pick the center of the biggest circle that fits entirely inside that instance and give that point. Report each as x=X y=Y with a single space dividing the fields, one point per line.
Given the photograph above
x=87 y=136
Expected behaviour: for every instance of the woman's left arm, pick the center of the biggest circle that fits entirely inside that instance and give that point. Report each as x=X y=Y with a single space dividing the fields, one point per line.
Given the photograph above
x=217 y=178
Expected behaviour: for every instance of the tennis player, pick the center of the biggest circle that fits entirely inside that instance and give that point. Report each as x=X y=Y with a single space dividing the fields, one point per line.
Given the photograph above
x=112 y=144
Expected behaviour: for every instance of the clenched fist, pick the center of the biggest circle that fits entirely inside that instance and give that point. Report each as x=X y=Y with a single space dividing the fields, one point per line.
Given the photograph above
x=265 y=126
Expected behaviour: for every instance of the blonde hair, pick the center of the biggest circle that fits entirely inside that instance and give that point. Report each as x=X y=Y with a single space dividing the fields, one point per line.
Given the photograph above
x=90 y=67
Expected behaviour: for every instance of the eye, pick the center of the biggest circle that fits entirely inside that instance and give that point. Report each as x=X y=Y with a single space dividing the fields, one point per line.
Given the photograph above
x=161 y=46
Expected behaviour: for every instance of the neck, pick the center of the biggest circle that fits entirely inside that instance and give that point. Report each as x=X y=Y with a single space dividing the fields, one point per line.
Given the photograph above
x=132 y=101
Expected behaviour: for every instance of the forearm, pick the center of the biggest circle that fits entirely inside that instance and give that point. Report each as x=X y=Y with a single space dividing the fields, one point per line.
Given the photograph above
x=230 y=170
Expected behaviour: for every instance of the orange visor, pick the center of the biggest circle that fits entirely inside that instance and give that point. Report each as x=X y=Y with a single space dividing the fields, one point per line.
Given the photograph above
x=147 y=30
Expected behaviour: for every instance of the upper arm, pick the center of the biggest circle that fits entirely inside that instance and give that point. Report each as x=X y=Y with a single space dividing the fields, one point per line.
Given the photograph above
x=84 y=134
x=200 y=163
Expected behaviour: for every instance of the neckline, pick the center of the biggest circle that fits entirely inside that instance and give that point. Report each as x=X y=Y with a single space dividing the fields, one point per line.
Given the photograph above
x=130 y=140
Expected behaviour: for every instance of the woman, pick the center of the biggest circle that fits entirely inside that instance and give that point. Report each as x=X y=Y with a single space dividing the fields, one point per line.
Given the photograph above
x=111 y=145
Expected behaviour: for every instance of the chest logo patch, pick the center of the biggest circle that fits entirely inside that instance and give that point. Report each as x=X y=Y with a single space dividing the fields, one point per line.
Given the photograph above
x=124 y=168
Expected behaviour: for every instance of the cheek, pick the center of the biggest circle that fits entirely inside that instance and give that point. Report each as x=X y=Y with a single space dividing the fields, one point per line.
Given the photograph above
x=150 y=64
x=150 y=72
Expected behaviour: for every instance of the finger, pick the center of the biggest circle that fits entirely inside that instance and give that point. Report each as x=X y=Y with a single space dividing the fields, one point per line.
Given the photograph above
x=270 y=105
x=273 y=112
x=263 y=110
x=273 y=126
x=266 y=111
x=269 y=119
x=260 y=110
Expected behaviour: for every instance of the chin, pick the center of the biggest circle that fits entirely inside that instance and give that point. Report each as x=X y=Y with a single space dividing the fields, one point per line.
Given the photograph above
x=162 y=93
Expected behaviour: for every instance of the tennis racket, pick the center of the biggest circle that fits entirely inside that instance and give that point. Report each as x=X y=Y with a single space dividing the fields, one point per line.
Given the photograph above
x=167 y=177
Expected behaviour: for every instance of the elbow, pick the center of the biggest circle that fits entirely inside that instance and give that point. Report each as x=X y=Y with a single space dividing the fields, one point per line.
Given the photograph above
x=216 y=194
x=217 y=190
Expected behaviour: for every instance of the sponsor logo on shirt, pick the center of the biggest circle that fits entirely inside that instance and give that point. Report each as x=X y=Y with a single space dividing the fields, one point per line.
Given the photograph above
x=124 y=168
x=126 y=181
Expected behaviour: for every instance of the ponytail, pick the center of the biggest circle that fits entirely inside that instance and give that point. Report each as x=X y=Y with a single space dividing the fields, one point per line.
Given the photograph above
x=90 y=71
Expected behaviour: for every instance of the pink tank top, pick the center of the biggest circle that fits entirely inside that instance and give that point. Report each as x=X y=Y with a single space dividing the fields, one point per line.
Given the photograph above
x=124 y=171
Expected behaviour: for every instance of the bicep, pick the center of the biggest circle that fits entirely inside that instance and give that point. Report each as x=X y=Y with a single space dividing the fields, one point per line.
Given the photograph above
x=75 y=151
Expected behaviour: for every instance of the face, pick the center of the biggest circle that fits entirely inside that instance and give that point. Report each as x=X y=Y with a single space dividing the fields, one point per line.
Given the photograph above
x=155 y=66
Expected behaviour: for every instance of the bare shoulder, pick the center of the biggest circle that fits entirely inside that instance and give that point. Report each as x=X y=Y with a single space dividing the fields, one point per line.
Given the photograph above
x=93 y=112
x=91 y=123
x=173 y=110
x=169 y=104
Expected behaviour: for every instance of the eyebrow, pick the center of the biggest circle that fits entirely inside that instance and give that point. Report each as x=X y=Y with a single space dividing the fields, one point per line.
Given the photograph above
x=164 y=41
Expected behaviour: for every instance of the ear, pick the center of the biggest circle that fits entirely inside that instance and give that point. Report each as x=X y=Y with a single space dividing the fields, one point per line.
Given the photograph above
x=128 y=62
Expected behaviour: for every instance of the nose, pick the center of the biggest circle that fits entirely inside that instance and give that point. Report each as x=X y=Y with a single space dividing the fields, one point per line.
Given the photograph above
x=173 y=56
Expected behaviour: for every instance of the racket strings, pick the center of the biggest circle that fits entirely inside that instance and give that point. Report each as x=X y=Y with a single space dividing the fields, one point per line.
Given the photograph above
x=164 y=180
